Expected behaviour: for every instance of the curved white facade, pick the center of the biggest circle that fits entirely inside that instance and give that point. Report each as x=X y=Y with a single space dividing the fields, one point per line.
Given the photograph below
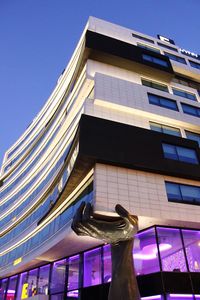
x=37 y=198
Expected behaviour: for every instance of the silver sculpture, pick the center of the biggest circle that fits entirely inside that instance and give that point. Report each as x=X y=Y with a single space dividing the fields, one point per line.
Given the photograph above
x=119 y=232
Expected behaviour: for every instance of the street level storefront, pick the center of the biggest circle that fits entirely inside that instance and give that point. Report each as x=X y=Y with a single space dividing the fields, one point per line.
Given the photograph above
x=167 y=264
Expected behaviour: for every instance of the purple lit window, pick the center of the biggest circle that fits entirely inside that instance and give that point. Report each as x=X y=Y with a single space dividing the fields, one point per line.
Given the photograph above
x=22 y=280
x=11 y=288
x=145 y=253
x=32 y=282
x=107 y=264
x=92 y=267
x=43 y=280
x=3 y=288
x=73 y=272
x=192 y=247
x=58 y=276
x=171 y=250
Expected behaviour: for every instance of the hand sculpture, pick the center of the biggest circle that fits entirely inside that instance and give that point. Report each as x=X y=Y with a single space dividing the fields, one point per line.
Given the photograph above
x=119 y=232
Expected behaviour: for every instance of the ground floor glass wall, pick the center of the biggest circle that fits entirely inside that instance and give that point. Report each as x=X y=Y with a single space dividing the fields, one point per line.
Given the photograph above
x=155 y=249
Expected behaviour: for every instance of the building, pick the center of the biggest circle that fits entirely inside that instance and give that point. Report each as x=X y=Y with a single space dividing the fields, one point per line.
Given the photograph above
x=121 y=126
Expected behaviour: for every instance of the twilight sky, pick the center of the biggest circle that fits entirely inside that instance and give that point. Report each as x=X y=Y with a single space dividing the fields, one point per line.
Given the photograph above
x=37 y=38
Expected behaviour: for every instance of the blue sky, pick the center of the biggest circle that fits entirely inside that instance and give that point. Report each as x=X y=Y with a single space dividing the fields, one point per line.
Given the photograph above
x=38 y=37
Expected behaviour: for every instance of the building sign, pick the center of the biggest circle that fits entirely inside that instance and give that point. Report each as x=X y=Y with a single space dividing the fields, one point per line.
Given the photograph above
x=17 y=261
x=165 y=39
x=189 y=53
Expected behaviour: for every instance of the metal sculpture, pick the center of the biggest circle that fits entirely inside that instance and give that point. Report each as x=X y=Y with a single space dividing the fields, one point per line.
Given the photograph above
x=119 y=232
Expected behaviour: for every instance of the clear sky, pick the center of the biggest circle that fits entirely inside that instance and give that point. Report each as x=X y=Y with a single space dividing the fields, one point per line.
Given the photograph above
x=37 y=38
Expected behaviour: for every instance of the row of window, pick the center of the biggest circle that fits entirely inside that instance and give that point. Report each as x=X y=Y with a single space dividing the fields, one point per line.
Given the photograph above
x=155 y=249
x=174 y=131
x=159 y=61
x=171 y=104
x=164 y=88
x=47 y=232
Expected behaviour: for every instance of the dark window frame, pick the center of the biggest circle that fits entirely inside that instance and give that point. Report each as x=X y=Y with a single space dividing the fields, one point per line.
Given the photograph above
x=177 y=156
x=152 y=84
x=196 y=110
x=142 y=38
x=155 y=60
x=161 y=102
x=184 y=94
x=182 y=198
x=175 y=58
x=163 y=126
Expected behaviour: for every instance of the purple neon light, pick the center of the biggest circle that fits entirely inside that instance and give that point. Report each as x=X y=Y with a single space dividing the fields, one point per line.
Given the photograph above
x=11 y=291
x=181 y=295
x=73 y=294
x=152 y=297
x=150 y=251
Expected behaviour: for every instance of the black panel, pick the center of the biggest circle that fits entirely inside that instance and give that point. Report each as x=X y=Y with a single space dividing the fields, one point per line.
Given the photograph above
x=123 y=145
x=122 y=49
x=97 y=292
x=150 y=284
x=177 y=283
x=195 y=282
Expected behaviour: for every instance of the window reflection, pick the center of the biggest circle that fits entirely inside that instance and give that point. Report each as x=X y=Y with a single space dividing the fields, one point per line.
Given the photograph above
x=73 y=272
x=192 y=247
x=58 y=276
x=3 y=288
x=43 y=280
x=107 y=264
x=145 y=253
x=171 y=250
x=11 y=291
x=92 y=267
x=22 y=287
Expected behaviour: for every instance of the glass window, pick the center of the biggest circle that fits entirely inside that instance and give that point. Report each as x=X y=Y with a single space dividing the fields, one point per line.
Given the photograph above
x=155 y=60
x=165 y=129
x=92 y=267
x=3 y=288
x=142 y=38
x=184 y=94
x=171 y=250
x=58 y=277
x=180 y=153
x=193 y=136
x=194 y=64
x=176 y=58
x=155 y=85
x=191 y=110
x=107 y=264
x=183 y=193
x=163 y=102
x=22 y=291
x=43 y=280
x=167 y=47
x=73 y=272
x=192 y=247
x=145 y=253
x=148 y=48
x=12 y=285
x=32 y=282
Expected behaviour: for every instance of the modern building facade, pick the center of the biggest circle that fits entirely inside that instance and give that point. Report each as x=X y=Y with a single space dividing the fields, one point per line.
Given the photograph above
x=121 y=126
